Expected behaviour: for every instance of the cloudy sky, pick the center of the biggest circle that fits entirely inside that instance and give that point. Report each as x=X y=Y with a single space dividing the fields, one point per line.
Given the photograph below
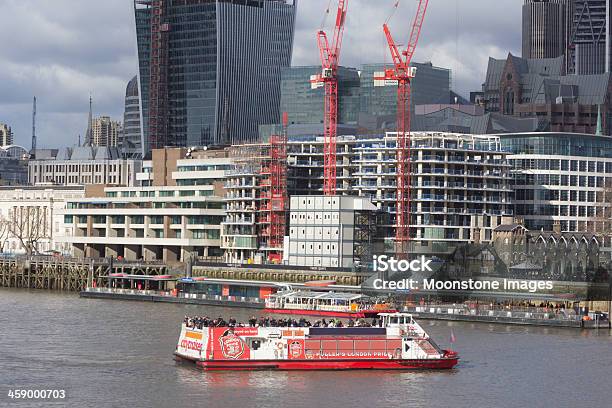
x=64 y=50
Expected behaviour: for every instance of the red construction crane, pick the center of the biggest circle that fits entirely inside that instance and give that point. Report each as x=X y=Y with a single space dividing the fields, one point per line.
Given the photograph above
x=403 y=74
x=330 y=57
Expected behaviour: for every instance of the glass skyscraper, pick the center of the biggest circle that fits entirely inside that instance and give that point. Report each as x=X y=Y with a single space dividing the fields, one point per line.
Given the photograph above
x=131 y=138
x=357 y=95
x=432 y=85
x=304 y=105
x=223 y=67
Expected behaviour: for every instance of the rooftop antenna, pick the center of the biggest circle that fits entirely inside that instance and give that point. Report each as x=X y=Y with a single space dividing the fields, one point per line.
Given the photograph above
x=34 y=126
x=89 y=135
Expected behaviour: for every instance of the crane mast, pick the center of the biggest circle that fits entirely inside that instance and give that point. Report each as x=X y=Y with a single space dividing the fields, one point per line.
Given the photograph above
x=330 y=57
x=403 y=74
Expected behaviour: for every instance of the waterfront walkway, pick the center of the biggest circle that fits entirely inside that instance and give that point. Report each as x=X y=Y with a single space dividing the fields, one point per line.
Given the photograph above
x=540 y=316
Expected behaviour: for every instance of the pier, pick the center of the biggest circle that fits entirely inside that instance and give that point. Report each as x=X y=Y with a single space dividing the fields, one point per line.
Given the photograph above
x=68 y=274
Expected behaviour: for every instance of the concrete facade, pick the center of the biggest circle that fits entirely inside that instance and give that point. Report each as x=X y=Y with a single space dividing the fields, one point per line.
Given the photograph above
x=84 y=165
x=172 y=222
x=6 y=135
x=106 y=132
x=50 y=203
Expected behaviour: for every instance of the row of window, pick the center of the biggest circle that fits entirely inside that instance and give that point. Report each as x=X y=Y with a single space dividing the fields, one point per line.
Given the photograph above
x=584 y=166
x=148 y=194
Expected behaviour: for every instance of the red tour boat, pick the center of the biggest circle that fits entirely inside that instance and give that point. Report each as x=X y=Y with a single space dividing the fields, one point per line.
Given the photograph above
x=400 y=343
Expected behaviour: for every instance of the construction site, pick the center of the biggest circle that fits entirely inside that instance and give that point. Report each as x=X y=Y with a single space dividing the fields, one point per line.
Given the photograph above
x=256 y=202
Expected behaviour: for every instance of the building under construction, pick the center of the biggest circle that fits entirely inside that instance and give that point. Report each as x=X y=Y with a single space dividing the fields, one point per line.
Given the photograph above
x=256 y=202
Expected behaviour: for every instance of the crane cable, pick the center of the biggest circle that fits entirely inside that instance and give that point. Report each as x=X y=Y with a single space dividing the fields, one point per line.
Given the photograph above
x=395 y=7
x=324 y=21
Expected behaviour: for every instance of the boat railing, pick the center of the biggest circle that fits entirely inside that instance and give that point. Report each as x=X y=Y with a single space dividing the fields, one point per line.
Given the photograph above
x=334 y=308
x=125 y=291
x=195 y=296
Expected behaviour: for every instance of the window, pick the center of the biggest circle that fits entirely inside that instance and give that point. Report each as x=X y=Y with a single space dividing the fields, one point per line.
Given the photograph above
x=157 y=219
x=137 y=219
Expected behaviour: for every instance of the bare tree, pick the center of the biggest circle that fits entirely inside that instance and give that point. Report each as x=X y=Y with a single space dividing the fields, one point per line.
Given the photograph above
x=29 y=224
x=4 y=232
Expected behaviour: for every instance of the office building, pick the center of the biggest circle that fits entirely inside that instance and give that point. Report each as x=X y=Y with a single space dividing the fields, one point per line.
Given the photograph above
x=6 y=135
x=362 y=106
x=561 y=179
x=546 y=28
x=130 y=140
x=13 y=166
x=82 y=165
x=304 y=103
x=212 y=75
x=430 y=86
x=591 y=36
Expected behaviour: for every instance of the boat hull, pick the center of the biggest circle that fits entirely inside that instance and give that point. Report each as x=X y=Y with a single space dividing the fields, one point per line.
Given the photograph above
x=326 y=313
x=312 y=365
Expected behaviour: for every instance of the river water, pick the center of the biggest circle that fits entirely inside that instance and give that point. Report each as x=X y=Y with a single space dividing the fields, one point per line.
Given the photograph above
x=119 y=354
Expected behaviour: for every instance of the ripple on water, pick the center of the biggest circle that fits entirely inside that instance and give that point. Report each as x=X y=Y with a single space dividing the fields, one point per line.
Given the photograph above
x=113 y=353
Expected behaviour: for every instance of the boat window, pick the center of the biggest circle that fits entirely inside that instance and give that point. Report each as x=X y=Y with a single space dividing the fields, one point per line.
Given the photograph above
x=255 y=344
x=394 y=320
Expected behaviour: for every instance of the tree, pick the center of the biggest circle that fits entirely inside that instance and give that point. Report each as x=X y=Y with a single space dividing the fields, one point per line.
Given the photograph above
x=29 y=224
x=4 y=232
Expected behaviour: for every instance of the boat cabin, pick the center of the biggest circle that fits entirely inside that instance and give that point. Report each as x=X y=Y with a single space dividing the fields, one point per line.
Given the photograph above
x=324 y=301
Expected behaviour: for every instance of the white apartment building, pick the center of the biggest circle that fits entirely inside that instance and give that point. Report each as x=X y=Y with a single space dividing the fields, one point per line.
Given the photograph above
x=37 y=216
x=460 y=183
x=6 y=135
x=106 y=132
x=175 y=216
x=83 y=165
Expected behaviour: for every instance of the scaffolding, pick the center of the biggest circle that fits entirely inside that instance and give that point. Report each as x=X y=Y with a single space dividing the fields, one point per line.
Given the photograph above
x=278 y=192
x=259 y=177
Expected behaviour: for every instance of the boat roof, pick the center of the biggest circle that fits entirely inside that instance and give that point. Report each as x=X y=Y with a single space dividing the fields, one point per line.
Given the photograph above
x=396 y=314
x=142 y=277
x=320 y=295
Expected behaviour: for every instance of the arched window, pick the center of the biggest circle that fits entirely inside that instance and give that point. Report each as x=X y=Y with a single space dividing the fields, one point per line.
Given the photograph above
x=509 y=102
